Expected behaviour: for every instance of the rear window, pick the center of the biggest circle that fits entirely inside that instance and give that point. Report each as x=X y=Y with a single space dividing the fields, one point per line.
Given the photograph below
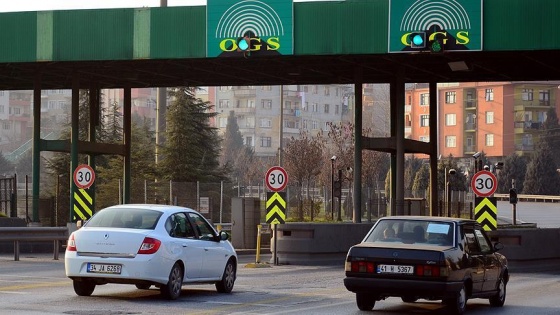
x=411 y=232
x=125 y=218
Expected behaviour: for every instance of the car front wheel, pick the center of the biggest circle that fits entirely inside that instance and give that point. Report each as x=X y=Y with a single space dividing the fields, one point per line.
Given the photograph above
x=364 y=301
x=499 y=299
x=172 y=290
x=458 y=304
x=83 y=287
x=228 y=279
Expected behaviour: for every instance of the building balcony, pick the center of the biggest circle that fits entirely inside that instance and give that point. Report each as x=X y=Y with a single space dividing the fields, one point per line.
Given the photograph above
x=470 y=105
x=527 y=126
x=522 y=105
x=245 y=92
x=470 y=127
x=244 y=110
x=470 y=149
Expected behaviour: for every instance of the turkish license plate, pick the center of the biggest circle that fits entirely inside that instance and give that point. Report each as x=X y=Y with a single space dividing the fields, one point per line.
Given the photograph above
x=398 y=269
x=104 y=268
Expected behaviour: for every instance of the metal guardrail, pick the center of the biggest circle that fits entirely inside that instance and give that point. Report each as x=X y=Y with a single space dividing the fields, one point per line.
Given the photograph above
x=34 y=234
x=530 y=197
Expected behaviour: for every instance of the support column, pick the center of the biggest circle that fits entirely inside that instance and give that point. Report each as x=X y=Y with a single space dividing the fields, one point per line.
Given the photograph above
x=36 y=146
x=127 y=120
x=94 y=111
x=400 y=142
x=74 y=142
x=358 y=150
x=434 y=192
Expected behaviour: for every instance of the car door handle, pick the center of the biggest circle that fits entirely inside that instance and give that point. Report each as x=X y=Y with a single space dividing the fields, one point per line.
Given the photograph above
x=206 y=249
x=185 y=245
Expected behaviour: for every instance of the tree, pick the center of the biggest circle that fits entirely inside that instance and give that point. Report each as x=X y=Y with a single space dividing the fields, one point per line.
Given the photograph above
x=301 y=157
x=236 y=156
x=457 y=181
x=551 y=134
x=411 y=166
x=515 y=167
x=541 y=177
x=421 y=181
x=192 y=149
x=6 y=167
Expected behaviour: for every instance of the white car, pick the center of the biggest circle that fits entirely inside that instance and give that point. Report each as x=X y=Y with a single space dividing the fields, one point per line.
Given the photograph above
x=145 y=245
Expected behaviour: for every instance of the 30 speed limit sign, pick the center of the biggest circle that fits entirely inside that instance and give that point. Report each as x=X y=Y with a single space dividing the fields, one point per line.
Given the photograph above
x=276 y=178
x=84 y=176
x=484 y=184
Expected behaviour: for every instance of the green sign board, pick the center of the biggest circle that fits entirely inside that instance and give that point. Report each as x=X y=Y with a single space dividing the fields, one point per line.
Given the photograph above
x=455 y=24
x=249 y=28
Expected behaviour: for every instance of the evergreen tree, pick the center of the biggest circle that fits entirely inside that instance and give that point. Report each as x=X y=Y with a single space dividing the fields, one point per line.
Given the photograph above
x=457 y=181
x=6 y=167
x=541 y=177
x=235 y=155
x=551 y=134
x=421 y=181
x=411 y=166
x=192 y=148
x=515 y=167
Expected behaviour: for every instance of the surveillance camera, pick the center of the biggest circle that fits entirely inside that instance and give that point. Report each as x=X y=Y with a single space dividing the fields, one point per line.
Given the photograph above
x=452 y=171
x=486 y=167
x=477 y=155
x=333 y=158
x=499 y=165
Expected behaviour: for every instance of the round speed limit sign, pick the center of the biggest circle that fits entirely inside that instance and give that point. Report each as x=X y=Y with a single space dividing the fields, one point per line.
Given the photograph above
x=276 y=178
x=84 y=176
x=484 y=184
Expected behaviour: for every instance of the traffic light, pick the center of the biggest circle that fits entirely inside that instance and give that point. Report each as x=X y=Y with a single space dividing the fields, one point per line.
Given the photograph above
x=512 y=196
x=417 y=40
x=337 y=188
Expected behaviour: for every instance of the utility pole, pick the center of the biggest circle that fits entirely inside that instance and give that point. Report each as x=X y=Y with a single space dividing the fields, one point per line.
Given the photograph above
x=161 y=110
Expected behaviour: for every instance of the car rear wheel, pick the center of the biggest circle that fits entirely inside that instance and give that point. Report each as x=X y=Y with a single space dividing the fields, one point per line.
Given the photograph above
x=458 y=304
x=143 y=286
x=83 y=287
x=172 y=289
x=365 y=301
x=228 y=279
x=499 y=299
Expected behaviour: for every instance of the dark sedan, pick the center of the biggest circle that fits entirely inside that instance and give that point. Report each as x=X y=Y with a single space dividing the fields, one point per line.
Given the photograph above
x=433 y=258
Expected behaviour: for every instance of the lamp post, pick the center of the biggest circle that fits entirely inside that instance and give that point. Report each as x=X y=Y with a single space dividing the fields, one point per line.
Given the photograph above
x=448 y=191
x=333 y=158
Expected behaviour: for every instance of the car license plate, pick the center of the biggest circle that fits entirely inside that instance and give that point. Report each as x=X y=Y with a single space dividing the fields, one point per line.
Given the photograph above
x=399 y=269
x=104 y=268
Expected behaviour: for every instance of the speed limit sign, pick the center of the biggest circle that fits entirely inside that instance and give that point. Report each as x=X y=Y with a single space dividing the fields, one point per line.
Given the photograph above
x=276 y=178
x=84 y=176
x=484 y=184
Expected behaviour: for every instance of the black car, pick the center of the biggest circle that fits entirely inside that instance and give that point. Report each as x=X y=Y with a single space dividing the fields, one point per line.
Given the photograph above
x=433 y=258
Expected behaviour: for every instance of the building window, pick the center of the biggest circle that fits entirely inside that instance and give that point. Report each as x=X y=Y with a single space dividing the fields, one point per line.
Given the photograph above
x=305 y=124
x=450 y=141
x=450 y=97
x=223 y=104
x=251 y=103
x=314 y=107
x=306 y=106
x=250 y=122
x=327 y=91
x=489 y=95
x=267 y=88
x=266 y=104
x=287 y=105
x=266 y=142
x=424 y=120
x=489 y=117
x=266 y=123
x=249 y=141
x=326 y=127
x=306 y=88
x=315 y=89
x=527 y=94
x=450 y=119
x=326 y=108
x=490 y=140
x=2 y=109
x=544 y=97
x=424 y=99
x=424 y=138
x=336 y=109
x=314 y=124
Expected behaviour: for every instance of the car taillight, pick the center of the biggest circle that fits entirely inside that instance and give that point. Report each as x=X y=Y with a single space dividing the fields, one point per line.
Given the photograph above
x=362 y=266
x=432 y=271
x=149 y=246
x=71 y=246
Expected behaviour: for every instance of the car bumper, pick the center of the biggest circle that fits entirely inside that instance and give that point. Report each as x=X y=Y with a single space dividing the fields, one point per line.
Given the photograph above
x=151 y=268
x=401 y=287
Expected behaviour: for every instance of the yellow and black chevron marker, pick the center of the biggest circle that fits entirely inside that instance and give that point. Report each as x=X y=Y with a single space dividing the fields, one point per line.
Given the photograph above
x=83 y=205
x=486 y=212
x=275 y=207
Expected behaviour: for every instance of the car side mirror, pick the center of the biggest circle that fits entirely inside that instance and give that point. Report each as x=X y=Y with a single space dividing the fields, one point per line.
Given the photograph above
x=498 y=246
x=224 y=236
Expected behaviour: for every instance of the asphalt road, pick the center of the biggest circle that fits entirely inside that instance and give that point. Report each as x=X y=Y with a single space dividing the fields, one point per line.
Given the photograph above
x=37 y=285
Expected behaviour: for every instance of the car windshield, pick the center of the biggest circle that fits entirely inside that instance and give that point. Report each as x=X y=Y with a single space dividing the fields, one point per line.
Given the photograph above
x=412 y=231
x=125 y=218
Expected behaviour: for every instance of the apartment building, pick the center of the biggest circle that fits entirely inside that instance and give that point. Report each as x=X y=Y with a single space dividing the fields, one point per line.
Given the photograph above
x=498 y=118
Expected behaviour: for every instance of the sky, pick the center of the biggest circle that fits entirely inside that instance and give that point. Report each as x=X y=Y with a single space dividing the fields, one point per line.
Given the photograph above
x=45 y=5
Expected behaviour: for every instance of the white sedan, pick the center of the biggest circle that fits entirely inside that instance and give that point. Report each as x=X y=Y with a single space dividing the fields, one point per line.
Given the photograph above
x=145 y=245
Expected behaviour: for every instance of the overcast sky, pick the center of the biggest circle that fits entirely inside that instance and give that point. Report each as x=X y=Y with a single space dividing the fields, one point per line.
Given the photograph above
x=44 y=5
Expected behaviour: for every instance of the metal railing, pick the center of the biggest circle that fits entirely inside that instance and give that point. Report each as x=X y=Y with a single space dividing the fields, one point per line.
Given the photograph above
x=34 y=234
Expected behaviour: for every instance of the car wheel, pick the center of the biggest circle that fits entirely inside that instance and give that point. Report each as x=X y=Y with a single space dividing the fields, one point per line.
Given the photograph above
x=365 y=301
x=409 y=299
x=83 y=287
x=228 y=278
x=172 y=289
x=143 y=286
x=499 y=299
x=458 y=304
